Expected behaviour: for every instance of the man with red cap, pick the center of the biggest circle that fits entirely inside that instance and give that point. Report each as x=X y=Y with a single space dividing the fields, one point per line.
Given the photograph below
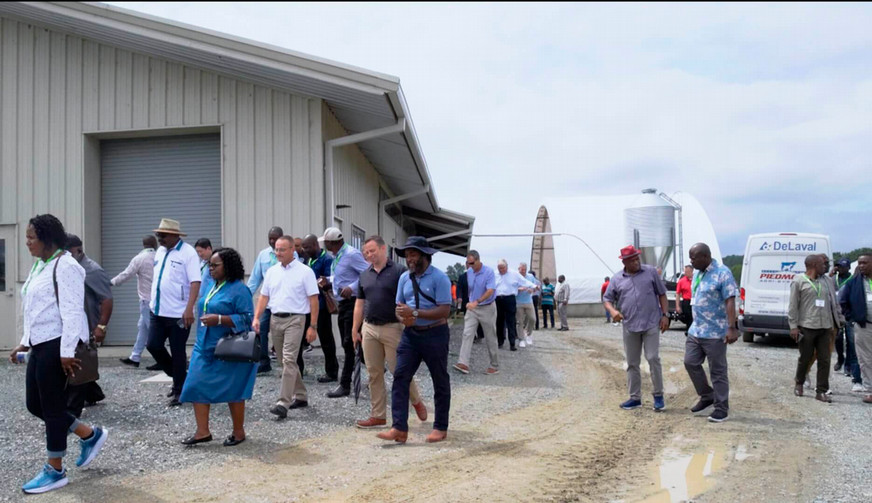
x=641 y=295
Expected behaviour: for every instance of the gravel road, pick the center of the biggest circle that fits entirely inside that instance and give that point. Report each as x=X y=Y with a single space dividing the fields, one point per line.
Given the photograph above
x=547 y=428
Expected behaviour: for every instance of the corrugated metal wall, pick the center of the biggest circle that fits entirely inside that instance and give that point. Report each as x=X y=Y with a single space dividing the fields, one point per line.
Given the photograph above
x=355 y=182
x=55 y=88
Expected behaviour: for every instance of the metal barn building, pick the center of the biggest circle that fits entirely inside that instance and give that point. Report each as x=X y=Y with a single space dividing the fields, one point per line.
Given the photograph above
x=111 y=120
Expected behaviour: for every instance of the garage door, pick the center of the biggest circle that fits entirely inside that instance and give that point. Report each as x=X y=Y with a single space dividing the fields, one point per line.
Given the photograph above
x=144 y=180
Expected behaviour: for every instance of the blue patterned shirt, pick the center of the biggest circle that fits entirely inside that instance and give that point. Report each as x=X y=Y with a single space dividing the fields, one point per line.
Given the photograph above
x=711 y=289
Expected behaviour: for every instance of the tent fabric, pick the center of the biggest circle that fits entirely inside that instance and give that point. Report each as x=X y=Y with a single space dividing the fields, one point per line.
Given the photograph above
x=599 y=221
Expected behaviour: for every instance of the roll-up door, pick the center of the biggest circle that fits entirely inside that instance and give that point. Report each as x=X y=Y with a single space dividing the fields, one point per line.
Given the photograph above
x=144 y=180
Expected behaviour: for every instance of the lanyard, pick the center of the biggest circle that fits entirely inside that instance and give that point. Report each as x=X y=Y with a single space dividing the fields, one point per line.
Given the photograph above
x=817 y=288
x=313 y=260
x=842 y=283
x=211 y=294
x=336 y=260
x=205 y=265
x=696 y=281
x=160 y=276
x=38 y=266
x=272 y=258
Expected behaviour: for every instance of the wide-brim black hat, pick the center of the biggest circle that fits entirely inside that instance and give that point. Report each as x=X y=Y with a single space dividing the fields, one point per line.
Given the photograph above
x=416 y=243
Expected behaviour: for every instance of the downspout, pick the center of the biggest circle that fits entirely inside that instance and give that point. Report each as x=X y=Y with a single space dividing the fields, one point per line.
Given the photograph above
x=329 y=145
x=382 y=205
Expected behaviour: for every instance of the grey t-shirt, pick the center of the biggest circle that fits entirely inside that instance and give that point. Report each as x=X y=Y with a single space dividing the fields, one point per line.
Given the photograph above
x=97 y=289
x=639 y=297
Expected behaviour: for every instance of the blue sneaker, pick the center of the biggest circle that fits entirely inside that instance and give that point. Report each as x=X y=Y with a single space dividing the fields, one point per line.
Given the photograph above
x=92 y=446
x=46 y=480
x=631 y=404
x=659 y=404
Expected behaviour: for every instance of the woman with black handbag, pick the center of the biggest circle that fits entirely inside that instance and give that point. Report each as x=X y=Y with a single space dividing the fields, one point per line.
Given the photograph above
x=54 y=324
x=226 y=309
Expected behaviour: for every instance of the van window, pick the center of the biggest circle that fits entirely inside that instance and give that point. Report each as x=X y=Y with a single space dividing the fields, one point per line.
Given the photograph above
x=773 y=272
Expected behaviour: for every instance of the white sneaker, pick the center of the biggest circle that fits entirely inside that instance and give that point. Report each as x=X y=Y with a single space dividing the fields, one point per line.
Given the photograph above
x=529 y=340
x=616 y=324
x=857 y=388
x=522 y=344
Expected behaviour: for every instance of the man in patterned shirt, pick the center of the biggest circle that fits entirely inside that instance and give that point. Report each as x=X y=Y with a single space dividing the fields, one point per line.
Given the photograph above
x=713 y=300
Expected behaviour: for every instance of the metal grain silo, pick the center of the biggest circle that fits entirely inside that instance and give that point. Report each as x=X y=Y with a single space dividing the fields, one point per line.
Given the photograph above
x=649 y=224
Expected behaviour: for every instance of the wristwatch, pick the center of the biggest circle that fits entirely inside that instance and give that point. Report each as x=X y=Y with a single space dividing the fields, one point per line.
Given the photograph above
x=102 y=327
x=415 y=313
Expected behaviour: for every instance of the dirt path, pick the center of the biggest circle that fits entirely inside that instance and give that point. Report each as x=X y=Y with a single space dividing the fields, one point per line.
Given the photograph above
x=578 y=446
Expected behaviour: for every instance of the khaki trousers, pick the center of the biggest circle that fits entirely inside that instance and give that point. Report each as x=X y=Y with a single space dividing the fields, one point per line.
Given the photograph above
x=379 y=348
x=526 y=314
x=486 y=317
x=287 y=335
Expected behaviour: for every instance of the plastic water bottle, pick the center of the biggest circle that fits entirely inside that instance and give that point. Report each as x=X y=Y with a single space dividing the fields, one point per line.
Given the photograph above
x=22 y=356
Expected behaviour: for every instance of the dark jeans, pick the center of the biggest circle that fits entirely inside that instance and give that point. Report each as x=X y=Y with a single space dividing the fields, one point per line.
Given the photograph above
x=840 y=346
x=431 y=347
x=506 y=322
x=814 y=340
x=346 y=321
x=264 y=339
x=536 y=309
x=175 y=365
x=686 y=315
x=546 y=310
x=328 y=344
x=46 y=395
x=608 y=316
x=78 y=395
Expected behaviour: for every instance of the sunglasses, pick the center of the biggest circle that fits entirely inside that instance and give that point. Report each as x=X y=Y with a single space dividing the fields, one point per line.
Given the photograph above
x=470 y=263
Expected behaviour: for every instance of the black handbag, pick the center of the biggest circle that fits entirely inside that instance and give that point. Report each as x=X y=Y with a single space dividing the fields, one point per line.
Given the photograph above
x=243 y=347
x=86 y=352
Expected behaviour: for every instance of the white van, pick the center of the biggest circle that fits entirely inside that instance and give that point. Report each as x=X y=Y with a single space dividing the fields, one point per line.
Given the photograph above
x=771 y=262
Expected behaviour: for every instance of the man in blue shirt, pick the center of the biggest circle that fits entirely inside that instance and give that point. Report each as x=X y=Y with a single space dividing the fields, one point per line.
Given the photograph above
x=713 y=300
x=345 y=271
x=321 y=262
x=423 y=306
x=265 y=259
x=481 y=313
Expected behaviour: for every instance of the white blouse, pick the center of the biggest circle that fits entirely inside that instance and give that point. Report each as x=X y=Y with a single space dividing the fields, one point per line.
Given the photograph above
x=43 y=319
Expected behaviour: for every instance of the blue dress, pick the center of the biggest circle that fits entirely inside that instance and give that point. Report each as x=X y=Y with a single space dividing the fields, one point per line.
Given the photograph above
x=216 y=381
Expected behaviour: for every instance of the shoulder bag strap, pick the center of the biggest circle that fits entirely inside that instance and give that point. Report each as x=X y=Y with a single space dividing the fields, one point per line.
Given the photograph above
x=419 y=292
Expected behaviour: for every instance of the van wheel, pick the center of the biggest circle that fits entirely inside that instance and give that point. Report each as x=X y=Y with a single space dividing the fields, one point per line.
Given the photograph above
x=748 y=336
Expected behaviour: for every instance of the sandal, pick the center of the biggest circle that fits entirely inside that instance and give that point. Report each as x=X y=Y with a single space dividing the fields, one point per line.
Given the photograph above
x=231 y=441
x=192 y=441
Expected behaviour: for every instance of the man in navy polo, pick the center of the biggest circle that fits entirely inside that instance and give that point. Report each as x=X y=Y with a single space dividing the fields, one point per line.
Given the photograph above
x=423 y=306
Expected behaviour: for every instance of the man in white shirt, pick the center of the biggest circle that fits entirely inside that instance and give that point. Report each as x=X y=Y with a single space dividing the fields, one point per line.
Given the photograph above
x=508 y=283
x=526 y=309
x=141 y=266
x=562 y=302
x=290 y=291
x=174 y=292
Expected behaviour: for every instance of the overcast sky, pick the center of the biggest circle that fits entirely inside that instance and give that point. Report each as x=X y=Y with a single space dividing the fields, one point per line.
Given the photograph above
x=763 y=112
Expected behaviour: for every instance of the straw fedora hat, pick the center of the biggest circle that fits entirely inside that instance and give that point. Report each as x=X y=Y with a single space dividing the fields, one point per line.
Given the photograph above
x=169 y=226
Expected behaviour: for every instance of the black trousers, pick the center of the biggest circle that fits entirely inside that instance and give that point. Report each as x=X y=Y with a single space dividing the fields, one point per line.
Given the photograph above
x=78 y=395
x=814 y=342
x=546 y=309
x=328 y=344
x=506 y=321
x=536 y=309
x=174 y=365
x=46 y=395
x=686 y=314
x=346 y=322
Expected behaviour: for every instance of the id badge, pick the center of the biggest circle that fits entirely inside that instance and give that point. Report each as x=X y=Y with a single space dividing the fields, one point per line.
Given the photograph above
x=820 y=303
x=869 y=297
x=693 y=301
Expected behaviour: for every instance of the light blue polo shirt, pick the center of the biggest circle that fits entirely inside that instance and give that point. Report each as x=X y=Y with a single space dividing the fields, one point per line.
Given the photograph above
x=434 y=283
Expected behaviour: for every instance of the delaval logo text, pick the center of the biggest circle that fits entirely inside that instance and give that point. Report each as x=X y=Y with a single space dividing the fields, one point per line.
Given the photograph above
x=788 y=246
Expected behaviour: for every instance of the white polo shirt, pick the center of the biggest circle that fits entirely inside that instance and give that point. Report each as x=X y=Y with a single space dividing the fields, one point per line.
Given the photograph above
x=289 y=287
x=174 y=271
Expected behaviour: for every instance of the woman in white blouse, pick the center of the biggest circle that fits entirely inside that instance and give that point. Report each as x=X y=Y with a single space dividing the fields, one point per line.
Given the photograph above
x=53 y=326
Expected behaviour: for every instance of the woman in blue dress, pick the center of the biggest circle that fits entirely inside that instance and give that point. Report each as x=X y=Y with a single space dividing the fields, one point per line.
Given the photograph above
x=226 y=308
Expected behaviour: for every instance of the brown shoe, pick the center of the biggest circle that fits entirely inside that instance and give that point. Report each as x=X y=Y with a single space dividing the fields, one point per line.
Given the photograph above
x=821 y=397
x=370 y=423
x=867 y=399
x=395 y=435
x=421 y=410
x=436 y=436
x=797 y=390
x=463 y=369
x=491 y=371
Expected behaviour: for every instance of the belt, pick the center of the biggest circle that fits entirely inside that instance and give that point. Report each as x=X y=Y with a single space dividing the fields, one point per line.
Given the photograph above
x=379 y=323
x=287 y=315
x=428 y=327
